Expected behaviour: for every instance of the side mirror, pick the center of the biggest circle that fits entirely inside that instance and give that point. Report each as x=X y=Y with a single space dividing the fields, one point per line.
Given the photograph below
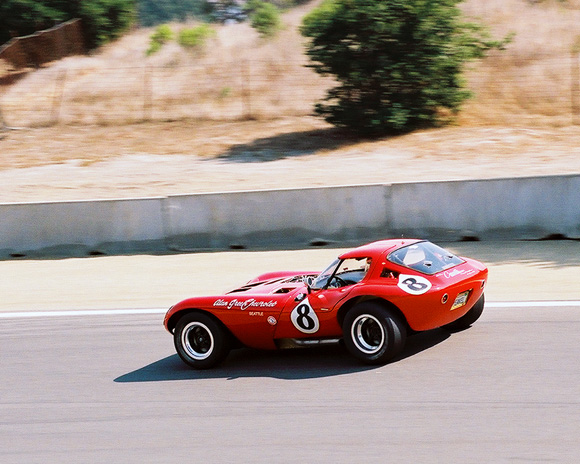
x=309 y=281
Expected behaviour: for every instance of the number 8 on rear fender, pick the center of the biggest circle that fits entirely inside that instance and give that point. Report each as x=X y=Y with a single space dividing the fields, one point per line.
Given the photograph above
x=413 y=284
x=304 y=318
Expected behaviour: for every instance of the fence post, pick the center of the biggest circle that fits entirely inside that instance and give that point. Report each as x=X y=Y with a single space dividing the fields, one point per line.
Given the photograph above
x=147 y=94
x=575 y=86
x=2 y=123
x=246 y=91
x=57 y=97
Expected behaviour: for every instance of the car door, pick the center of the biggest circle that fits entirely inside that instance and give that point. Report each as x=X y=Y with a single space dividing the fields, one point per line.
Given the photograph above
x=312 y=314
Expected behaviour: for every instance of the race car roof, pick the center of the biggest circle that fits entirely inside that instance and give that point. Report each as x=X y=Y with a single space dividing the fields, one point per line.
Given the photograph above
x=375 y=249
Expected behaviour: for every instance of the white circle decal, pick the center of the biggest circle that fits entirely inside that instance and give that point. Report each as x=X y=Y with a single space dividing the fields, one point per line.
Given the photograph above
x=415 y=285
x=304 y=318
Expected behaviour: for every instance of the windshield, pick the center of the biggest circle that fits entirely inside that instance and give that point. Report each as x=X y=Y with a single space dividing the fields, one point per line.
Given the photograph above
x=424 y=257
x=341 y=273
x=323 y=277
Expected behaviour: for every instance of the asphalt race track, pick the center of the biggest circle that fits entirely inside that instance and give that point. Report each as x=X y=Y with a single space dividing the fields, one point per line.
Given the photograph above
x=85 y=378
x=109 y=388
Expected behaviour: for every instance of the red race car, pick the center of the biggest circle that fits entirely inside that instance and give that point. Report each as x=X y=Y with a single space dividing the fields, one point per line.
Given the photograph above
x=371 y=297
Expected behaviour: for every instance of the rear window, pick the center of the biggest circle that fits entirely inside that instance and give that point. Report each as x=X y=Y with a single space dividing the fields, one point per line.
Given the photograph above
x=425 y=257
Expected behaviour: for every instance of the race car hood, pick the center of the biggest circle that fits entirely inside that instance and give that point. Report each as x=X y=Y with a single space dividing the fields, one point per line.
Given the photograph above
x=268 y=292
x=272 y=276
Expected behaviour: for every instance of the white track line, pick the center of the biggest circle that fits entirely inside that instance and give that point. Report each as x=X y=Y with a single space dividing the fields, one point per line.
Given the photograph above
x=531 y=304
x=137 y=311
x=82 y=312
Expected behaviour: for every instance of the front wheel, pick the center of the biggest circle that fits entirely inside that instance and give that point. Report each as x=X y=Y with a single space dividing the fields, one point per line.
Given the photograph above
x=200 y=341
x=373 y=334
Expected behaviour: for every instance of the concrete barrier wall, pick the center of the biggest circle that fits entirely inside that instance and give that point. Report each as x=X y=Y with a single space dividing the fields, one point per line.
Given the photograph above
x=530 y=208
x=91 y=226
x=275 y=217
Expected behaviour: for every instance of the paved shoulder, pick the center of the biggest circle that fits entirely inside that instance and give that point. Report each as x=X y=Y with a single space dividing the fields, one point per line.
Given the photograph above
x=519 y=271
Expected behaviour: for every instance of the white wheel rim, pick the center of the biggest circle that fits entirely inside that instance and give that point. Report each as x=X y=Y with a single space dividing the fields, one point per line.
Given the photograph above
x=197 y=340
x=368 y=334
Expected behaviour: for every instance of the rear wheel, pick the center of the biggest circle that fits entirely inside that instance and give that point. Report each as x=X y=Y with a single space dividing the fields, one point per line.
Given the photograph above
x=465 y=321
x=373 y=334
x=200 y=341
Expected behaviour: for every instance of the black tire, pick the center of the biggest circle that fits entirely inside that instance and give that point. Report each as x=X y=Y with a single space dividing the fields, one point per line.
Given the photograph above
x=373 y=334
x=465 y=321
x=200 y=341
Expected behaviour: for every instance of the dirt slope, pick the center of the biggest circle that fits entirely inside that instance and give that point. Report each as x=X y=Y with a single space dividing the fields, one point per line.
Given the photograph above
x=73 y=163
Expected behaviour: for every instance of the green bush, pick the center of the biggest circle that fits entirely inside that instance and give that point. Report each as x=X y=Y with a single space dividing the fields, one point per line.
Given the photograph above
x=265 y=18
x=196 y=37
x=398 y=63
x=161 y=36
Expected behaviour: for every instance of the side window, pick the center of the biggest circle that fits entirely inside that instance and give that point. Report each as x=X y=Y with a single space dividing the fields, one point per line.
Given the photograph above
x=388 y=274
x=351 y=271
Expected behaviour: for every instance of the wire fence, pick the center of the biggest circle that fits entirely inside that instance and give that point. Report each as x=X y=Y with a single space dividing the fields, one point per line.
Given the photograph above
x=543 y=86
x=125 y=95
x=504 y=86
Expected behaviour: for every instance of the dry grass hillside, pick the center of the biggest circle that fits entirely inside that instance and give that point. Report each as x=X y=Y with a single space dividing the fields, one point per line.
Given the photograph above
x=235 y=76
x=535 y=81
x=177 y=122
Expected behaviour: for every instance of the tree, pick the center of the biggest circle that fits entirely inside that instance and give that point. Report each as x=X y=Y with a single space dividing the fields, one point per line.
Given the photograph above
x=23 y=17
x=105 y=20
x=398 y=63
x=153 y=12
